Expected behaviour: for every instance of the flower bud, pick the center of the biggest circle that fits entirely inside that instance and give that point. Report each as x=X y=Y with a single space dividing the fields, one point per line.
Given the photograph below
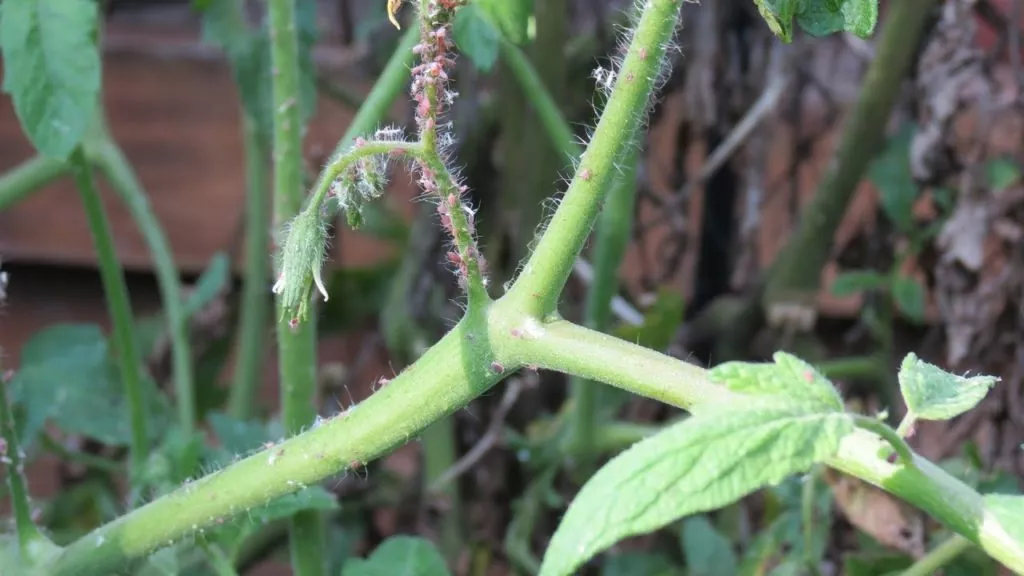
x=301 y=259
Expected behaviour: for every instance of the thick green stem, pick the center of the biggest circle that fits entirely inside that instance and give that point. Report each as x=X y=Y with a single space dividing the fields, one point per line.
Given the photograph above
x=614 y=231
x=943 y=554
x=546 y=272
x=453 y=372
x=565 y=347
x=252 y=324
x=128 y=360
x=118 y=172
x=27 y=177
x=296 y=343
x=12 y=458
x=796 y=274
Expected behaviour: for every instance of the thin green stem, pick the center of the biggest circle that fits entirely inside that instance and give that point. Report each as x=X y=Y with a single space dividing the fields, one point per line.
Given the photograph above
x=252 y=323
x=129 y=361
x=889 y=435
x=343 y=161
x=539 y=286
x=540 y=98
x=438 y=441
x=807 y=516
x=906 y=425
x=943 y=554
x=796 y=274
x=614 y=232
x=614 y=437
x=92 y=461
x=851 y=368
x=119 y=173
x=27 y=177
x=217 y=559
x=296 y=344
x=13 y=458
x=391 y=82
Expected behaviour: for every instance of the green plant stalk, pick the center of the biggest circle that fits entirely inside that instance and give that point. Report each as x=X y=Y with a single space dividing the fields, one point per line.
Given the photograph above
x=573 y=349
x=891 y=436
x=485 y=345
x=128 y=360
x=614 y=230
x=453 y=372
x=27 y=177
x=540 y=99
x=296 y=344
x=11 y=456
x=438 y=441
x=807 y=497
x=539 y=286
x=252 y=323
x=796 y=273
x=118 y=171
x=852 y=368
x=460 y=367
x=614 y=437
x=943 y=554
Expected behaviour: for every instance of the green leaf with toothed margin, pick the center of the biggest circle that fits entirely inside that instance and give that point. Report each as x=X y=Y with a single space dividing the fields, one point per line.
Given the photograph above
x=788 y=378
x=705 y=462
x=1009 y=510
x=476 y=37
x=931 y=393
x=400 y=556
x=51 y=69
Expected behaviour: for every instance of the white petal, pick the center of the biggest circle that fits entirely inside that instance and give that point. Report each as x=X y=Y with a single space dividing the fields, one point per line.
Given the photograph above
x=319 y=282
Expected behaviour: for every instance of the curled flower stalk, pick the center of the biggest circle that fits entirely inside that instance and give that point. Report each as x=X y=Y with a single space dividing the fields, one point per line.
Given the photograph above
x=360 y=174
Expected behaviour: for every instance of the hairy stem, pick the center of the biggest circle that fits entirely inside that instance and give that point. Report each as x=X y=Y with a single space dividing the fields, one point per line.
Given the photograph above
x=796 y=273
x=539 y=286
x=128 y=360
x=296 y=343
x=614 y=230
x=252 y=324
x=453 y=372
x=27 y=177
x=118 y=171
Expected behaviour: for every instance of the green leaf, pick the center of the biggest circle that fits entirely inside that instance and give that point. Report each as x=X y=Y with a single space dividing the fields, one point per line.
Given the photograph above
x=51 y=69
x=66 y=370
x=708 y=552
x=163 y=562
x=778 y=14
x=210 y=283
x=707 y=461
x=931 y=393
x=909 y=297
x=1002 y=173
x=635 y=563
x=511 y=17
x=789 y=378
x=476 y=37
x=820 y=17
x=855 y=281
x=1009 y=510
x=890 y=173
x=400 y=556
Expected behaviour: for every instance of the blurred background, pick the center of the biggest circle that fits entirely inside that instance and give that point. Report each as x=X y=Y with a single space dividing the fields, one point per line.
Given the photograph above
x=945 y=215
